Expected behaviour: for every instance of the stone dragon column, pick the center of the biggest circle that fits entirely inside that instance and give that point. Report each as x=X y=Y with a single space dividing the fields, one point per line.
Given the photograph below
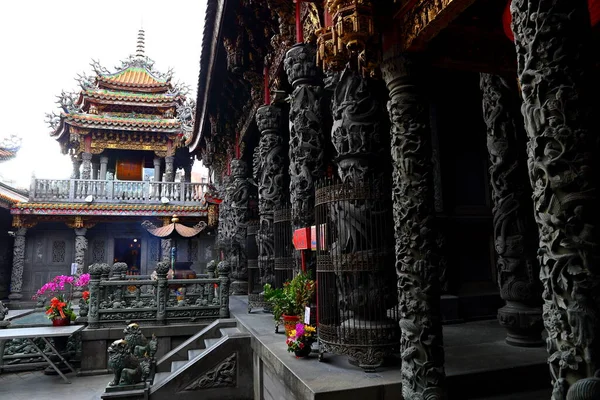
x=269 y=164
x=421 y=342
x=239 y=217
x=553 y=46
x=169 y=175
x=515 y=233
x=16 y=277
x=81 y=244
x=306 y=145
x=86 y=170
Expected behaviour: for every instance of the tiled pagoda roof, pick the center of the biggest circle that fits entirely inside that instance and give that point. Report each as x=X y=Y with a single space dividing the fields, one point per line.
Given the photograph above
x=122 y=123
x=103 y=95
x=7 y=154
x=133 y=78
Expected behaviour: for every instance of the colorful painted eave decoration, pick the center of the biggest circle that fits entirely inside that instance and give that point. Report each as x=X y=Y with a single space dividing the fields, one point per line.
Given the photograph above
x=107 y=209
x=133 y=123
x=158 y=98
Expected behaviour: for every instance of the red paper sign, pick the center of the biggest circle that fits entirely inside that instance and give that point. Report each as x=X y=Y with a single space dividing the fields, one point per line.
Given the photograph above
x=301 y=238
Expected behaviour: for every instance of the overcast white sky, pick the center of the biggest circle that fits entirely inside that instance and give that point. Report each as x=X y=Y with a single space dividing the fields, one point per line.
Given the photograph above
x=45 y=44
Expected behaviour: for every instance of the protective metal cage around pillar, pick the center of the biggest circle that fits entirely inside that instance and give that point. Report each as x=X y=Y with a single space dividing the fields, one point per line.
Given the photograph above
x=284 y=248
x=356 y=279
x=254 y=286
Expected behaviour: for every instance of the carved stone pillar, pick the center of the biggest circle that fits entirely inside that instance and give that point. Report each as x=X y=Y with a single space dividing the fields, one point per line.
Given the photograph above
x=157 y=177
x=165 y=248
x=553 y=45
x=269 y=164
x=169 y=169
x=76 y=168
x=223 y=271
x=416 y=263
x=16 y=278
x=187 y=172
x=103 y=167
x=81 y=244
x=86 y=170
x=95 y=170
x=239 y=217
x=96 y=297
x=306 y=146
x=515 y=233
x=162 y=292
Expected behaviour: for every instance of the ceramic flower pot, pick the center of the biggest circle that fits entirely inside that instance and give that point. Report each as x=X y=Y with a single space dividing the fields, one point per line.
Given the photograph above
x=61 y=321
x=289 y=323
x=303 y=352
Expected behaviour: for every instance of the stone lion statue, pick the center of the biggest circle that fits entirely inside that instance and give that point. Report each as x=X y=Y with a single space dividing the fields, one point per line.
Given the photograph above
x=138 y=345
x=125 y=366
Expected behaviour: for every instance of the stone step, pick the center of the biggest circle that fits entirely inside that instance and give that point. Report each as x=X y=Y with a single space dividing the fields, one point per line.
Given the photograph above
x=195 y=353
x=230 y=331
x=176 y=365
x=211 y=342
x=159 y=377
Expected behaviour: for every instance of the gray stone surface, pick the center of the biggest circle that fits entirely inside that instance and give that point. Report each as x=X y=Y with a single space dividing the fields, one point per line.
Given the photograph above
x=37 y=386
x=50 y=331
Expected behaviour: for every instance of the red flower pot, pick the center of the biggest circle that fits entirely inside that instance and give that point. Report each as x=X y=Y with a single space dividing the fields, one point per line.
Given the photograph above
x=61 y=321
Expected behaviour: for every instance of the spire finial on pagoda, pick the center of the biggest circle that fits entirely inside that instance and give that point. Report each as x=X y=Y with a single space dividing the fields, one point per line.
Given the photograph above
x=140 y=44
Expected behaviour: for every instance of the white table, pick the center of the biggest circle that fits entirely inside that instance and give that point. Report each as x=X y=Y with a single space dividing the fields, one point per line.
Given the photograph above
x=43 y=333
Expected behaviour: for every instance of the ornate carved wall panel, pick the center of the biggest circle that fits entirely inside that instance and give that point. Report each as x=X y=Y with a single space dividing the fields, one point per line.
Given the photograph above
x=59 y=248
x=98 y=251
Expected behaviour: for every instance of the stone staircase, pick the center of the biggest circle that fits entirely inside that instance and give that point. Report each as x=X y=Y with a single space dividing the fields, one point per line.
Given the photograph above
x=216 y=363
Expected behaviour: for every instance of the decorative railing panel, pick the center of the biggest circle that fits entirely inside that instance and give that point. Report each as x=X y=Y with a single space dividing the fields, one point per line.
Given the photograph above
x=159 y=301
x=284 y=249
x=102 y=191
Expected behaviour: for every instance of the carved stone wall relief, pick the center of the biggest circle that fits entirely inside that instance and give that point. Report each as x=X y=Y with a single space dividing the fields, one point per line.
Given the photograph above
x=223 y=375
x=552 y=39
x=59 y=248
x=515 y=232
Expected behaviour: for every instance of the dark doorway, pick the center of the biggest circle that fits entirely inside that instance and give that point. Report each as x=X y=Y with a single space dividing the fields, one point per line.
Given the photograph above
x=129 y=251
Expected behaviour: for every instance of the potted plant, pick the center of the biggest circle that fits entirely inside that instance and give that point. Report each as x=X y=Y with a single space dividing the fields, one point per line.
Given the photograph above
x=301 y=339
x=289 y=302
x=60 y=311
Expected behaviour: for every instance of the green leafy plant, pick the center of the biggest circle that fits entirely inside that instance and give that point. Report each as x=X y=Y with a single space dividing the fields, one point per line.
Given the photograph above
x=292 y=298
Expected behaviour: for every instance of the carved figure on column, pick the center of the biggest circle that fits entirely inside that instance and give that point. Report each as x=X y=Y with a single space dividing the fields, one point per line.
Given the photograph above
x=514 y=227
x=81 y=244
x=269 y=163
x=16 y=278
x=306 y=145
x=86 y=170
x=553 y=45
x=421 y=343
x=165 y=250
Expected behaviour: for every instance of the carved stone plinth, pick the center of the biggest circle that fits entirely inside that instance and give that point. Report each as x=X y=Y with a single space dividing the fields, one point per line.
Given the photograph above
x=16 y=278
x=555 y=71
x=515 y=233
x=269 y=166
x=306 y=145
x=421 y=343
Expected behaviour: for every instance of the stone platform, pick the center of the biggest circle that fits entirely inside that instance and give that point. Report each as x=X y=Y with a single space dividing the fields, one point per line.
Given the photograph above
x=479 y=365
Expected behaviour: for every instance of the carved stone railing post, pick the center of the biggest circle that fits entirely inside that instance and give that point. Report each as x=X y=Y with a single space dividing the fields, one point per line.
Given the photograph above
x=555 y=70
x=224 y=271
x=16 y=277
x=86 y=170
x=306 y=146
x=96 y=271
x=210 y=268
x=515 y=233
x=105 y=274
x=269 y=164
x=421 y=343
x=162 y=292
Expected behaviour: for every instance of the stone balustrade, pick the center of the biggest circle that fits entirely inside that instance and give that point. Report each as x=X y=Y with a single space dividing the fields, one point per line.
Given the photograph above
x=104 y=191
x=157 y=302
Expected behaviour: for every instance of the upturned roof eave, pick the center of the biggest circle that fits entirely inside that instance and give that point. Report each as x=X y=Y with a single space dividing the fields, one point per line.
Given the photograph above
x=213 y=27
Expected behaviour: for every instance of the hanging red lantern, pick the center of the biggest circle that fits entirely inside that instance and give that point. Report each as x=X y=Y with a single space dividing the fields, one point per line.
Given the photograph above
x=593 y=7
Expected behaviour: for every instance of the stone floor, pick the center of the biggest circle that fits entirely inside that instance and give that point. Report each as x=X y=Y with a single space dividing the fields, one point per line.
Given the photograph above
x=37 y=386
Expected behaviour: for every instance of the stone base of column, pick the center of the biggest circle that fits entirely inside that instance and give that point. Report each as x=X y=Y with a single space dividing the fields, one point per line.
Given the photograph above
x=15 y=296
x=524 y=325
x=238 y=288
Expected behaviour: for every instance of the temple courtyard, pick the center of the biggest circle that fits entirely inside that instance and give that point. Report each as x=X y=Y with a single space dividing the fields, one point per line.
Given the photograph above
x=478 y=363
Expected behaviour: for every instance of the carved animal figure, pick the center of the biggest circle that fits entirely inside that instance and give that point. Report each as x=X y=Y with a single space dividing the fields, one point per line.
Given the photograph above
x=125 y=366
x=137 y=343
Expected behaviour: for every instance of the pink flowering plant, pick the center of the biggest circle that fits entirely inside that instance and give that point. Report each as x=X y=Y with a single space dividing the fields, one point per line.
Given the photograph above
x=60 y=290
x=303 y=335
